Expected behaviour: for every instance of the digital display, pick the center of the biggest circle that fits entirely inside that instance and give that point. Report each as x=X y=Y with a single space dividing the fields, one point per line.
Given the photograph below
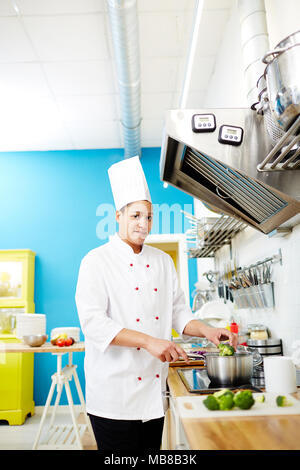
x=230 y=135
x=203 y=123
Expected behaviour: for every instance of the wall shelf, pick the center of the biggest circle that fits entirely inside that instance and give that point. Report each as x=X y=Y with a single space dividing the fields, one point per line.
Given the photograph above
x=209 y=234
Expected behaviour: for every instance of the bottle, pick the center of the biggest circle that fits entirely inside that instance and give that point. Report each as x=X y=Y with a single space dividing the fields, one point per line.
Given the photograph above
x=234 y=327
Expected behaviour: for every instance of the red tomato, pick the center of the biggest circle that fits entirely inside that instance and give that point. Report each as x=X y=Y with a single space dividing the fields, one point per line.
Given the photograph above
x=60 y=342
x=68 y=342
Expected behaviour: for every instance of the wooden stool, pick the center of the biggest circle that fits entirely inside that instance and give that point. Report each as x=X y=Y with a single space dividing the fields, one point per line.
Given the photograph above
x=64 y=436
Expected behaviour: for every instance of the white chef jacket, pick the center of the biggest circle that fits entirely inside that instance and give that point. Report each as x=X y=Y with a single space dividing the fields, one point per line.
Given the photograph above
x=119 y=289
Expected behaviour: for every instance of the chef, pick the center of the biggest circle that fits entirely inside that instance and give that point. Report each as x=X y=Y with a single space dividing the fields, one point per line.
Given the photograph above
x=128 y=300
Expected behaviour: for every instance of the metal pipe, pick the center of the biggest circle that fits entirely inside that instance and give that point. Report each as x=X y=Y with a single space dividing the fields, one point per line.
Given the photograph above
x=255 y=42
x=125 y=37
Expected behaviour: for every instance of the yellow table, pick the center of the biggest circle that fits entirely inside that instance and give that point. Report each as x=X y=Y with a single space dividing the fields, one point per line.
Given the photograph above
x=61 y=436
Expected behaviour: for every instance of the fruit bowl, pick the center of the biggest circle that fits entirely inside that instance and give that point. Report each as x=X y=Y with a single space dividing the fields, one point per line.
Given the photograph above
x=35 y=340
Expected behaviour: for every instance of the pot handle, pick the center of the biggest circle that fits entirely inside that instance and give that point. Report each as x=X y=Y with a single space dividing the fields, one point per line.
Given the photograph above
x=276 y=52
x=257 y=358
x=270 y=55
x=253 y=106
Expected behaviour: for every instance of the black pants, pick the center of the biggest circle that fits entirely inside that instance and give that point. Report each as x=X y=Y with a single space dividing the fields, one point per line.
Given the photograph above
x=120 y=435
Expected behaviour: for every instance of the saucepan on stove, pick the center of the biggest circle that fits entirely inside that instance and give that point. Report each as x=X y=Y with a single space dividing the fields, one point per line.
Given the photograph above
x=231 y=370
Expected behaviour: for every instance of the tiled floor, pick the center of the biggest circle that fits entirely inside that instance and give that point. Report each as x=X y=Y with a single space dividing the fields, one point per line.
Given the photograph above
x=22 y=437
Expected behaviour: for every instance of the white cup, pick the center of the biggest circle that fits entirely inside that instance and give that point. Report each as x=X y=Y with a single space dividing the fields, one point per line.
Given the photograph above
x=280 y=375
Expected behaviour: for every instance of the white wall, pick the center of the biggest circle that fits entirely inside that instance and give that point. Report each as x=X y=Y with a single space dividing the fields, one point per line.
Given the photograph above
x=283 y=18
x=251 y=246
x=227 y=89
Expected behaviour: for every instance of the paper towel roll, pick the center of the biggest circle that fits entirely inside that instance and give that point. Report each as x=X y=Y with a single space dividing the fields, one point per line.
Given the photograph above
x=280 y=375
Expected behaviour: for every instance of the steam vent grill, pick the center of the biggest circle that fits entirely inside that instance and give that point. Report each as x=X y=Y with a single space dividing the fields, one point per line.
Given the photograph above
x=245 y=194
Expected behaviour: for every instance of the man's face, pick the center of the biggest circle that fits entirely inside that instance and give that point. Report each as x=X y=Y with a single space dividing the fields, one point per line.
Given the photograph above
x=135 y=222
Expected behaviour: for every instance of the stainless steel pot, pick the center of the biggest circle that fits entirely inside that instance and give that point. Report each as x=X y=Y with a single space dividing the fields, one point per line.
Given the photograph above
x=283 y=84
x=231 y=370
x=290 y=40
x=286 y=43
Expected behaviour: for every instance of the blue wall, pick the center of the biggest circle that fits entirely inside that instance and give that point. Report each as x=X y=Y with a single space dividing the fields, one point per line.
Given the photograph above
x=48 y=203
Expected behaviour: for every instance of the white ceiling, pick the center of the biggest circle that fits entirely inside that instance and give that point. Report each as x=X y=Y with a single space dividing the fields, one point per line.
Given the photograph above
x=58 y=87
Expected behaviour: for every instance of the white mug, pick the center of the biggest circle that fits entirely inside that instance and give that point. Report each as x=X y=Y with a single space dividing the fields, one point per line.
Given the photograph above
x=280 y=375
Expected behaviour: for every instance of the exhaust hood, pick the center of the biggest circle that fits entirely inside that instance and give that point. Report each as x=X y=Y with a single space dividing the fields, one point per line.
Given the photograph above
x=214 y=155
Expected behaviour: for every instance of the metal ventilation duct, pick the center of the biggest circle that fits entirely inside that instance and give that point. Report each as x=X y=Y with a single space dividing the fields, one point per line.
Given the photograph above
x=125 y=37
x=254 y=42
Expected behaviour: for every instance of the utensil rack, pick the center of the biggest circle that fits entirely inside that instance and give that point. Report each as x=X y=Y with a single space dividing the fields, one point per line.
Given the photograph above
x=272 y=259
x=284 y=145
x=249 y=290
x=252 y=288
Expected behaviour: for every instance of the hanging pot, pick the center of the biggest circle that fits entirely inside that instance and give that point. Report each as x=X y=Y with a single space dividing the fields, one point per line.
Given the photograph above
x=283 y=84
x=290 y=40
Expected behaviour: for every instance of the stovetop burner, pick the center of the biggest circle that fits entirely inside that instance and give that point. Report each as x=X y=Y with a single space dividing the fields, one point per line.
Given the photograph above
x=197 y=381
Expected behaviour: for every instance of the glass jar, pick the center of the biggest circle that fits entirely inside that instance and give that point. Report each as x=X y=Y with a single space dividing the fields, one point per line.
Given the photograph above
x=257 y=331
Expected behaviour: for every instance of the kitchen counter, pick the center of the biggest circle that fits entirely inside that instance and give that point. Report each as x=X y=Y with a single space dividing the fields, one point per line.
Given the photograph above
x=233 y=433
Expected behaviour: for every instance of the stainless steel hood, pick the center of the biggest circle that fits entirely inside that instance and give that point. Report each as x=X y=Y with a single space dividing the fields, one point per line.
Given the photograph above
x=214 y=155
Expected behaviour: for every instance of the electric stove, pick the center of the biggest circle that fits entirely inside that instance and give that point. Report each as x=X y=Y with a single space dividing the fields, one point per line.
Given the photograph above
x=197 y=381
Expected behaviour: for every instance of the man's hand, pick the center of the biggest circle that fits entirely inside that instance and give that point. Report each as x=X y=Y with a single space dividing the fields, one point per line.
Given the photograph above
x=216 y=335
x=164 y=350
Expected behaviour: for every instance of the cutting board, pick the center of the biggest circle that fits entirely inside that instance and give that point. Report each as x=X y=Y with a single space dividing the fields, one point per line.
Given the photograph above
x=191 y=363
x=193 y=407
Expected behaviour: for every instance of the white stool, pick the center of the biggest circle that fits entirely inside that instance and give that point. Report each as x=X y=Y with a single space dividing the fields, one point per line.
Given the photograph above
x=68 y=436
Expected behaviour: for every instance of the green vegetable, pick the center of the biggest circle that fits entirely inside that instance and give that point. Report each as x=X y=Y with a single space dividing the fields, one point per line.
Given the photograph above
x=226 y=349
x=225 y=399
x=244 y=399
x=281 y=400
x=211 y=403
x=223 y=392
x=260 y=398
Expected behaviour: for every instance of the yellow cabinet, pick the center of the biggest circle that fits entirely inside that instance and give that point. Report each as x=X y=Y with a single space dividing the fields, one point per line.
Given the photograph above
x=16 y=369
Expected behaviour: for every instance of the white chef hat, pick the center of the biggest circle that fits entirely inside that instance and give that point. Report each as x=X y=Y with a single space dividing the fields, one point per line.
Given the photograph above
x=128 y=182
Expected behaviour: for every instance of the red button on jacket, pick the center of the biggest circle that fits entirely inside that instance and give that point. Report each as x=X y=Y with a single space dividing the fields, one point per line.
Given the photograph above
x=147 y=266
x=155 y=289
x=136 y=288
x=139 y=378
x=157 y=376
x=156 y=318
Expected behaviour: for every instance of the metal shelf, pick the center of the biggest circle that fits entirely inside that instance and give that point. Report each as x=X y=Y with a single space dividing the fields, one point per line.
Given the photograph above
x=284 y=156
x=211 y=234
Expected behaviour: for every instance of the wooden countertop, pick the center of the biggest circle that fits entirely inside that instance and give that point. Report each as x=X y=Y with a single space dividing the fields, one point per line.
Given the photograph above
x=249 y=433
x=45 y=348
